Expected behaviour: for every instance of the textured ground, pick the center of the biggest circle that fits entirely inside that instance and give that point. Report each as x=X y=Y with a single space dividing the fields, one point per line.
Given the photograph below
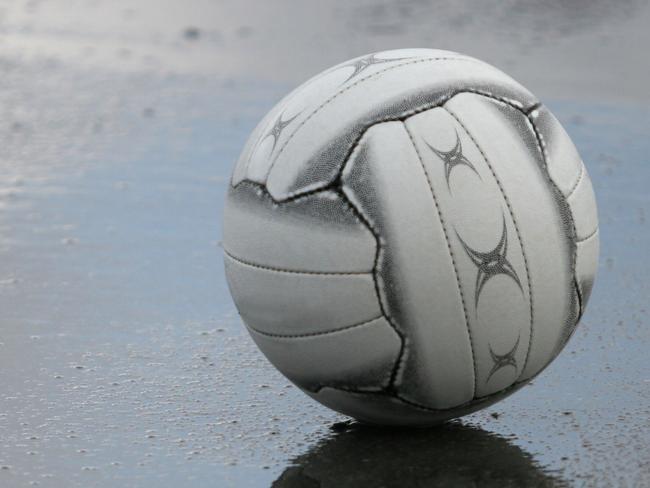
x=122 y=359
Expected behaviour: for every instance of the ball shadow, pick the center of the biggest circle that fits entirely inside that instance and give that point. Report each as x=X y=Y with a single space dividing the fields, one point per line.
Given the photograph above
x=450 y=455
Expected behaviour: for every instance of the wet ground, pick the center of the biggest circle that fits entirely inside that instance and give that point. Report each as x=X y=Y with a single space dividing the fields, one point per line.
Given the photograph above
x=122 y=359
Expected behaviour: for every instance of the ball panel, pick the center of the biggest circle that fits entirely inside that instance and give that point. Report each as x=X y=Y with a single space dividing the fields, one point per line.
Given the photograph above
x=361 y=357
x=315 y=148
x=510 y=144
x=485 y=240
x=314 y=233
x=385 y=180
x=287 y=303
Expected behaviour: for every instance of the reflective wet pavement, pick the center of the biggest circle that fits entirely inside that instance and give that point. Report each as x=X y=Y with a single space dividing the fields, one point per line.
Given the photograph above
x=122 y=359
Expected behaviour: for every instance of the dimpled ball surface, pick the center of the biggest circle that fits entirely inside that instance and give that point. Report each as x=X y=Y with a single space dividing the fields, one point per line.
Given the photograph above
x=410 y=236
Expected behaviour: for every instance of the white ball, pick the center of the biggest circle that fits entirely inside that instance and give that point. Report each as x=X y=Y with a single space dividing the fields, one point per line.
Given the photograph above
x=410 y=236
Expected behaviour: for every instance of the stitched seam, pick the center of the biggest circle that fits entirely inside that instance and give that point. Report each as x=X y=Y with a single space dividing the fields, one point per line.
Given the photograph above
x=349 y=87
x=361 y=390
x=477 y=400
x=575 y=186
x=293 y=271
x=315 y=334
x=296 y=198
x=588 y=237
x=332 y=188
x=451 y=254
x=514 y=221
x=378 y=258
x=573 y=237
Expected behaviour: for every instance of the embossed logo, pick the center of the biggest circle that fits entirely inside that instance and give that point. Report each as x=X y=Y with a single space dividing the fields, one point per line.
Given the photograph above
x=503 y=360
x=453 y=158
x=278 y=127
x=362 y=64
x=492 y=263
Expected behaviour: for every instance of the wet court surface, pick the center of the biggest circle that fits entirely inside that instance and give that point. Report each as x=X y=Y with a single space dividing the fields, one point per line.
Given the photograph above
x=123 y=361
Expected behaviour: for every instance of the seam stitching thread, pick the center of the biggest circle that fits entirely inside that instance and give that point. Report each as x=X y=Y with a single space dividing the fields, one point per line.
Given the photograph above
x=315 y=334
x=294 y=271
x=575 y=186
x=591 y=235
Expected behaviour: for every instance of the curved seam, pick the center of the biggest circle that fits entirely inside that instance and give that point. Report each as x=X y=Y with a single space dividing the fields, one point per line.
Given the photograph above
x=378 y=257
x=514 y=221
x=314 y=334
x=451 y=254
x=295 y=198
x=293 y=271
x=509 y=101
x=330 y=188
x=378 y=253
x=362 y=390
x=541 y=145
x=591 y=235
x=474 y=401
x=349 y=87
x=575 y=186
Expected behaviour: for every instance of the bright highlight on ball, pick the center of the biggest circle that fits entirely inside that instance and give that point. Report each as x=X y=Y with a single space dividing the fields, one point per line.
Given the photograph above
x=410 y=236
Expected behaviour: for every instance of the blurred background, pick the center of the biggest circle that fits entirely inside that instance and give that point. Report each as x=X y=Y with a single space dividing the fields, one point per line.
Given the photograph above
x=122 y=359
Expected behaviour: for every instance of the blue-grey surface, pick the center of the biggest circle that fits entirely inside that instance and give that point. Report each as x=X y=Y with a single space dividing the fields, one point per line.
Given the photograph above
x=122 y=359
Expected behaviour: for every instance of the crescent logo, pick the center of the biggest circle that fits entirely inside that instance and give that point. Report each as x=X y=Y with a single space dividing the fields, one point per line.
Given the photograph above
x=492 y=263
x=453 y=158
